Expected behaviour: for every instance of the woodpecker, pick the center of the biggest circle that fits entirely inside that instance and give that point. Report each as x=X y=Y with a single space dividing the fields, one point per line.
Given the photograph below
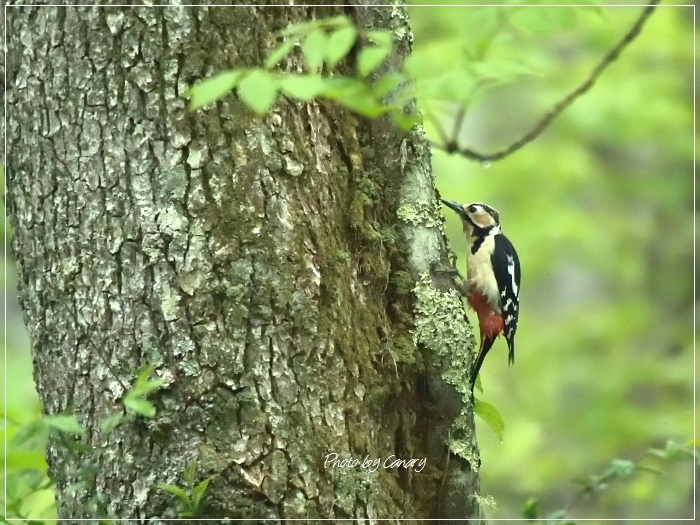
x=493 y=278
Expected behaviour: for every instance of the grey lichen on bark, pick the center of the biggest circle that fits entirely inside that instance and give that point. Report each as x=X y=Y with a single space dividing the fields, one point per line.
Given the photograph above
x=259 y=264
x=442 y=332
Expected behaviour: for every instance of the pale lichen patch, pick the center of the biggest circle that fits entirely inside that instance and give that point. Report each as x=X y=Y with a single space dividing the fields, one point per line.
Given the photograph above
x=441 y=327
x=422 y=214
x=169 y=303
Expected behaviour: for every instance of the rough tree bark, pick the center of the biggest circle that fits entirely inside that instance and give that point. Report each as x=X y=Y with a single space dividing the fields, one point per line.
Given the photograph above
x=267 y=268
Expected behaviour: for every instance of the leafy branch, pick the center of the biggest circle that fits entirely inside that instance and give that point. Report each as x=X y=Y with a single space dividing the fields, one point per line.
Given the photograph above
x=450 y=145
x=26 y=442
x=618 y=470
x=324 y=44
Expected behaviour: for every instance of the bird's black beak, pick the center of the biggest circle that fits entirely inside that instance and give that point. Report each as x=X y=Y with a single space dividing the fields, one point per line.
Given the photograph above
x=454 y=206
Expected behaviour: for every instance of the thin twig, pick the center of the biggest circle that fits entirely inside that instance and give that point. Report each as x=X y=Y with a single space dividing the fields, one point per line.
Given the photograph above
x=447 y=143
x=458 y=125
x=450 y=146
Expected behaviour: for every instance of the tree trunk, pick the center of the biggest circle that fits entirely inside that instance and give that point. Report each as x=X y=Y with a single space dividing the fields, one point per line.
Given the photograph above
x=273 y=271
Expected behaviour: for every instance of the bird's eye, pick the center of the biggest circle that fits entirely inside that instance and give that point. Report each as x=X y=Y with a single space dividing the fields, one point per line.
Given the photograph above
x=472 y=209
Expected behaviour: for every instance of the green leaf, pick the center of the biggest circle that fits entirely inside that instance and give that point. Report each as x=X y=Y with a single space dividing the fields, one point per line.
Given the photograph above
x=30 y=434
x=403 y=121
x=134 y=399
x=370 y=58
x=455 y=85
x=354 y=94
x=302 y=87
x=177 y=491
x=39 y=480
x=26 y=459
x=111 y=422
x=622 y=467
x=382 y=39
x=491 y=416
x=140 y=406
x=675 y=450
x=212 y=89
x=144 y=375
x=337 y=86
x=557 y=515
x=485 y=25
x=314 y=49
x=543 y=21
x=415 y=66
x=658 y=452
x=258 y=91
x=388 y=83
x=339 y=44
x=531 y=509
x=279 y=53
x=592 y=6
x=502 y=70
x=145 y=372
x=199 y=490
x=144 y=385
x=142 y=389
x=299 y=29
x=67 y=424
x=190 y=472
x=365 y=106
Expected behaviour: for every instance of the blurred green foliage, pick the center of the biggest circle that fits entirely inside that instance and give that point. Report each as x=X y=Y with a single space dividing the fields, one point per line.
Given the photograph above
x=600 y=208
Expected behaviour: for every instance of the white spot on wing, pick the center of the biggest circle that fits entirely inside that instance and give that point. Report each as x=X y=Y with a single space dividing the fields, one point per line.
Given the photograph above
x=511 y=271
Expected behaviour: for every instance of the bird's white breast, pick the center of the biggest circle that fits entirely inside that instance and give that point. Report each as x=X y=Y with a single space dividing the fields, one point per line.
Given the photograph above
x=480 y=272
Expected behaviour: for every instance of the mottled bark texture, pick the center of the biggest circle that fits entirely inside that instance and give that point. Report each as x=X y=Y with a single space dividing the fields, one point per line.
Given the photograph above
x=258 y=264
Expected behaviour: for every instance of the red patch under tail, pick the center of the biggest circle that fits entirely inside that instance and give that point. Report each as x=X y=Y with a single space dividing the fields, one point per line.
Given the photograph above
x=490 y=325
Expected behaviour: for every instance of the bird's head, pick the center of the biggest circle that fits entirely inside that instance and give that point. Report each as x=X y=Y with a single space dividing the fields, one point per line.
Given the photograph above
x=478 y=219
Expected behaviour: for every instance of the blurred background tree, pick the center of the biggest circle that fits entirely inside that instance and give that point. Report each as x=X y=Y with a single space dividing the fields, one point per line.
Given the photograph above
x=601 y=209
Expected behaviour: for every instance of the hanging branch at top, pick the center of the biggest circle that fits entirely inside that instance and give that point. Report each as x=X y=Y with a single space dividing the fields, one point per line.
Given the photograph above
x=325 y=43
x=450 y=144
